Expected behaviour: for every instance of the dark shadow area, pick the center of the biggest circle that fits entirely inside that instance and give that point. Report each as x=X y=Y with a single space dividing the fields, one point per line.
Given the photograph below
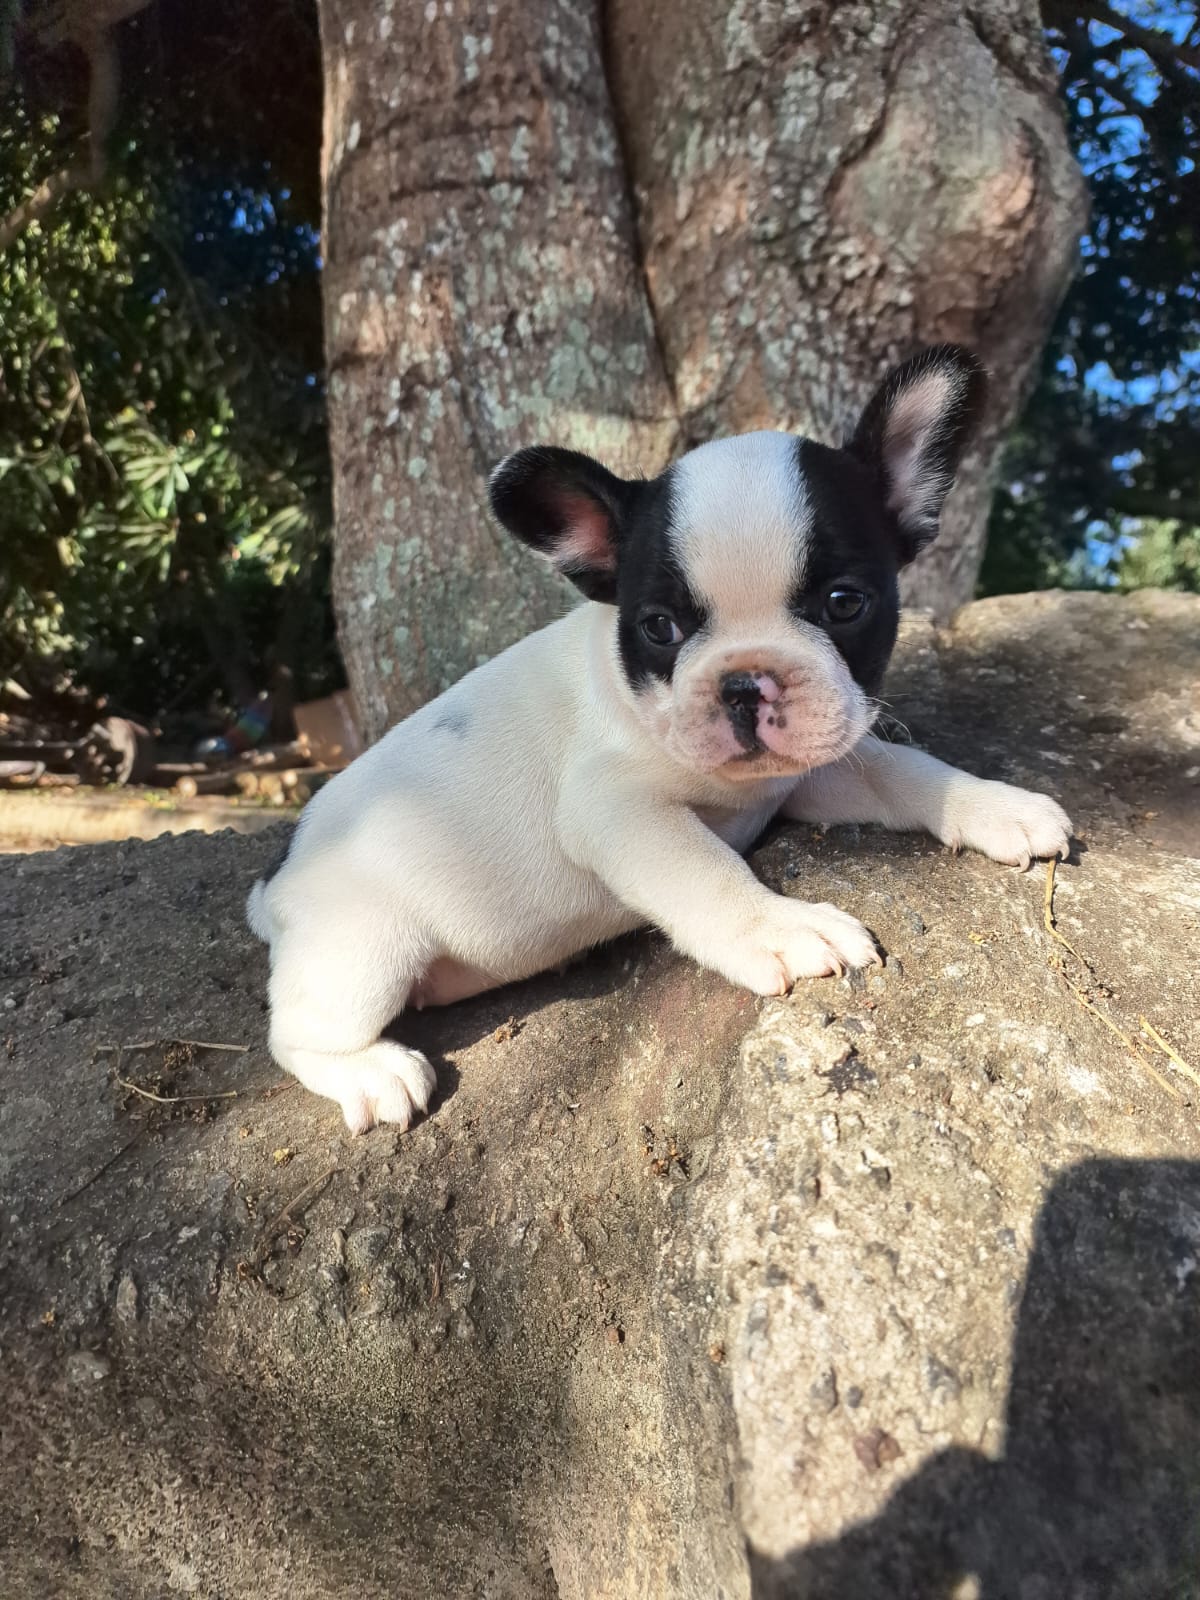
x=601 y=971
x=1097 y=1493
x=1032 y=694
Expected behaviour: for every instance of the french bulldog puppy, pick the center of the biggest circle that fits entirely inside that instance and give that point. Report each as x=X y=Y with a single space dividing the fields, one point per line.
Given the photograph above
x=609 y=770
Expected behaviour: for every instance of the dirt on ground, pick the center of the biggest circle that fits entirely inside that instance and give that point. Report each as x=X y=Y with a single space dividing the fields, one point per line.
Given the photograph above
x=886 y=1289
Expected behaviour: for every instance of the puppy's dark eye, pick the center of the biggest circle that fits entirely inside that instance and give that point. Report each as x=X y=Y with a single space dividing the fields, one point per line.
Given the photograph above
x=845 y=605
x=662 y=630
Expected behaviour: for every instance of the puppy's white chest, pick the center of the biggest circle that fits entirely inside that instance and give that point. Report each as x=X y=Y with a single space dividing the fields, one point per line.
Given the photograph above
x=739 y=829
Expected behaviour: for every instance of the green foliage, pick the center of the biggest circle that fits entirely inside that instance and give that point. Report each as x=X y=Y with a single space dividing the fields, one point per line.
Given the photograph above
x=163 y=470
x=1106 y=454
x=1166 y=555
x=164 y=517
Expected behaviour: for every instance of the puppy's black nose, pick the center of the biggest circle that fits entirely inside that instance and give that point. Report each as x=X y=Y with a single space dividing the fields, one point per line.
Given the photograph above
x=740 y=692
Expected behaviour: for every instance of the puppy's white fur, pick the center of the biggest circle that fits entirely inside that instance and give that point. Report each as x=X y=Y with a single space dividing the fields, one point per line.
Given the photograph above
x=543 y=805
x=744 y=524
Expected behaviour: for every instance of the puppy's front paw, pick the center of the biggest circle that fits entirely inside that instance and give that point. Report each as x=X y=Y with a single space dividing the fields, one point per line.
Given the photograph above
x=794 y=940
x=1008 y=824
x=385 y=1083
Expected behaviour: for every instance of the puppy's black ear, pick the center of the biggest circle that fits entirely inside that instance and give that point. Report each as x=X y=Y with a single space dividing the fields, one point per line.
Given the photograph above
x=569 y=509
x=913 y=433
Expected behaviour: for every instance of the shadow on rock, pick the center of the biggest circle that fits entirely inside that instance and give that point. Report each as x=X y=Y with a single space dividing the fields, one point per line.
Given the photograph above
x=588 y=976
x=1097 y=1495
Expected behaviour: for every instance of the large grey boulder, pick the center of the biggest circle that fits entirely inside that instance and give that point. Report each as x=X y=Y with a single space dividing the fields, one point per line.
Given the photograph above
x=891 y=1288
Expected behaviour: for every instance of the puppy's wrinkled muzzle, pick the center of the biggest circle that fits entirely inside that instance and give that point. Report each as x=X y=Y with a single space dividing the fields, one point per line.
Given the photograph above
x=764 y=708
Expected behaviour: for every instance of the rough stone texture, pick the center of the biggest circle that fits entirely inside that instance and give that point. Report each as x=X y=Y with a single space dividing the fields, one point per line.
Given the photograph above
x=887 y=1290
x=481 y=292
x=823 y=189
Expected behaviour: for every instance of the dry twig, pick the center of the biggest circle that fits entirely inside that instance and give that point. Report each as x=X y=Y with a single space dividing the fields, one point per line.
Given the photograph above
x=285 y=1219
x=1173 y=1055
x=1089 y=1005
x=148 y=1044
x=175 y=1099
x=100 y=1171
x=281 y=1087
x=1048 y=912
x=1130 y=1044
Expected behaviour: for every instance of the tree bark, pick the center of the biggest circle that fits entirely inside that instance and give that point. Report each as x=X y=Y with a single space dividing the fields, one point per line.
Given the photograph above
x=482 y=292
x=819 y=190
x=822 y=189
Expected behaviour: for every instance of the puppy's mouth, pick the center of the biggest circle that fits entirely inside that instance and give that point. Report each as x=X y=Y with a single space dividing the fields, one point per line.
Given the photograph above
x=744 y=722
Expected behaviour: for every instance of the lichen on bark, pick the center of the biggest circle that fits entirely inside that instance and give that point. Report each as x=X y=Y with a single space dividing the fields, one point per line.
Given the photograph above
x=481 y=293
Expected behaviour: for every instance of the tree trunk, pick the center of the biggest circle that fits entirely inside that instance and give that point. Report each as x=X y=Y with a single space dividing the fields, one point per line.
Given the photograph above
x=482 y=291
x=820 y=190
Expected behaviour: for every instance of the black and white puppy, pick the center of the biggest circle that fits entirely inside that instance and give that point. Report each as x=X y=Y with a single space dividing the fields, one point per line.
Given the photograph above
x=608 y=770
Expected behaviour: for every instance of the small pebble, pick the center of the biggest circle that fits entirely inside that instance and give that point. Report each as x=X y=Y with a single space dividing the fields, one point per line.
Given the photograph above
x=876 y=1449
x=127 y=1299
x=86 y=1367
x=365 y=1247
x=823 y=1392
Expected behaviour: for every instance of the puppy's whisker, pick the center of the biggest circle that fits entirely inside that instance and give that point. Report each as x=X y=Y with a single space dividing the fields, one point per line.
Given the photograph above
x=884 y=708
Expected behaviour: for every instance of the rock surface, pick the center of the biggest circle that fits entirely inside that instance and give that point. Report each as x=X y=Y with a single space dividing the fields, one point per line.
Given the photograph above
x=888 y=1289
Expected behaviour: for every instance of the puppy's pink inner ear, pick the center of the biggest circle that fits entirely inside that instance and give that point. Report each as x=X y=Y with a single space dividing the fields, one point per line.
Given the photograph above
x=913 y=423
x=587 y=540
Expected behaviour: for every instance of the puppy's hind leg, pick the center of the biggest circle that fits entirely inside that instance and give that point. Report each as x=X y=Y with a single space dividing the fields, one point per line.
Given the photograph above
x=334 y=988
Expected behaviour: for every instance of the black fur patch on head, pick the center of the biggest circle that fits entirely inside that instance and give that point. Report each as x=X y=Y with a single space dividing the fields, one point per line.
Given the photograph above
x=568 y=508
x=851 y=546
x=610 y=536
x=649 y=581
